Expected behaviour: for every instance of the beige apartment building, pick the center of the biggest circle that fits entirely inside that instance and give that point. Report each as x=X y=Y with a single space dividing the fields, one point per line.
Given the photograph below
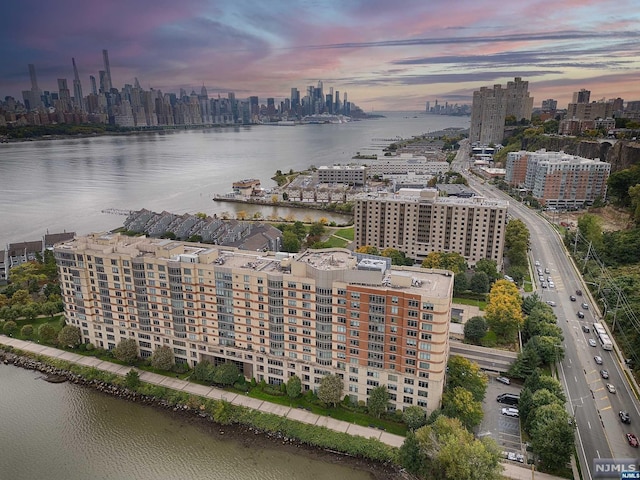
x=418 y=222
x=274 y=315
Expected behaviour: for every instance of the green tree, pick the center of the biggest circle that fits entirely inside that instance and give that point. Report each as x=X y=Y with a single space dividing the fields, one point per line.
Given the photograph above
x=27 y=331
x=163 y=358
x=475 y=329
x=21 y=297
x=414 y=417
x=368 y=249
x=46 y=333
x=290 y=242
x=536 y=400
x=490 y=267
x=460 y=284
x=480 y=283
x=330 y=391
x=132 y=379
x=204 y=371
x=549 y=349
x=411 y=456
x=378 y=400
x=397 y=257
x=446 y=261
x=552 y=436
x=294 y=387
x=526 y=362
x=462 y=372
x=590 y=227
x=69 y=336
x=226 y=374
x=126 y=351
x=459 y=403
x=9 y=328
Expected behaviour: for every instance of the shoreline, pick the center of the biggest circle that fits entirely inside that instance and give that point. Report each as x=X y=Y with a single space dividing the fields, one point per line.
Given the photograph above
x=246 y=435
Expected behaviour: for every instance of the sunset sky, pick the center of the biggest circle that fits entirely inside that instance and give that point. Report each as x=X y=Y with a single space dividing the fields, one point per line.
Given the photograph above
x=388 y=55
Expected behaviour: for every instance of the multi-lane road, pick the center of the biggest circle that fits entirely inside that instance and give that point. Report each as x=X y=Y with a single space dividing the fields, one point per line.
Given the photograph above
x=600 y=433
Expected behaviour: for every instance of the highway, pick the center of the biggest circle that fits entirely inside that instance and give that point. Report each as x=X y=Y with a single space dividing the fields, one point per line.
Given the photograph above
x=600 y=433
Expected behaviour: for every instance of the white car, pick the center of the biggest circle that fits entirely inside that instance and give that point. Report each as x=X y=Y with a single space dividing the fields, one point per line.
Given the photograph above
x=510 y=412
x=504 y=380
x=551 y=303
x=592 y=342
x=610 y=387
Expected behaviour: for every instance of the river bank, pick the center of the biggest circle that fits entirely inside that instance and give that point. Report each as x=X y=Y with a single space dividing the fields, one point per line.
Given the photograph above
x=188 y=410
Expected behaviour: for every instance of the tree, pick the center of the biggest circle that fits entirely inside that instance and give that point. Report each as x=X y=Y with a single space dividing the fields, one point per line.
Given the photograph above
x=203 y=371
x=446 y=261
x=475 y=329
x=330 y=391
x=459 y=403
x=552 y=435
x=21 y=297
x=479 y=283
x=549 y=349
x=536 y=400
x=226 y=374
x=490 y=267
x=163 y=358
x=368 y=249
x=462 y=372
x=69 y=336
x=526 y=362
x=126 y=351
x=9 y=327
x=590 y=227
x=294 y=387
x=444 y=449
x=504 y=311
x=290 y=242
x=460 y=283
x=46 y=333
x=132 y=379
x=378 y=400
x=414 y=417
x=27 y=331
x=397 y=257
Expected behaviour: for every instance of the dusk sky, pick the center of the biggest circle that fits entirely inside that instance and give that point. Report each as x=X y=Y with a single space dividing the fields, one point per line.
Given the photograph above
x=388 y=55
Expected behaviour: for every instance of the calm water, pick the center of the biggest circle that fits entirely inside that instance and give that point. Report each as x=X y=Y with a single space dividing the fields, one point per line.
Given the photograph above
x=65 y=184
x=68 y=432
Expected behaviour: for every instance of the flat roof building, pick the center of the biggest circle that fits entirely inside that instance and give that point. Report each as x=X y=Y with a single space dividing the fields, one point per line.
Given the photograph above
x=274 y=315
x=351 y=174
x=418 y=222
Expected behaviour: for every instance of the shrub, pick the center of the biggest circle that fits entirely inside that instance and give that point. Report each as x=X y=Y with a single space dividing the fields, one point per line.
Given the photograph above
x=9 y=327
x=27 y=331
x=90 y=347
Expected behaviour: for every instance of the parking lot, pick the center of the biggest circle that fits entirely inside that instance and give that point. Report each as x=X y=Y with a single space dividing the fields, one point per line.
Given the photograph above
x=503 y=429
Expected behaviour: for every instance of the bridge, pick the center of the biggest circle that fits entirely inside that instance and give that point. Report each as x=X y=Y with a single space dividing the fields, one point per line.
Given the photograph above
x=489 y=359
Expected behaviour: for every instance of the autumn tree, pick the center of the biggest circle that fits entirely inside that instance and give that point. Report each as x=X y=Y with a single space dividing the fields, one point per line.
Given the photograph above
x=459 y=403
x=163 y=358
x=446 y=261
x=504 y=310
x=462 y=372
x=330 y=391
x=126 y=351
x=368 y=249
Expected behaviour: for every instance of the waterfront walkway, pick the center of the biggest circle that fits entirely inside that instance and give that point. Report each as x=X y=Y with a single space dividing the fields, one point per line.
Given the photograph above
x=511 y=470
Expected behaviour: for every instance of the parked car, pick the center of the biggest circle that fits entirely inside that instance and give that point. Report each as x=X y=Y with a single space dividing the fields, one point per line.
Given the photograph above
x=579 y=293
x=633 y=440
x=598 y=360
x=604 y=374
x=537 y=263
x=510 y=412
x=624 y=417
x=611 y=388
x=543 y=285
x=580 y=314
x=592 y=342
x=585 y=306
x=546 y=270
x=552 y=285
x=508 y=398
x=504 y=380
x=572 y=298
x=585 y=329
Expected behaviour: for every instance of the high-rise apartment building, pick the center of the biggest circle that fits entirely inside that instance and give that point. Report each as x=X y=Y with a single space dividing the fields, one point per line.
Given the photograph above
x=492 y=106
x=582 y=96
x=77 y=87
x=274 y=315
x=557 y=179
x=418 y=222
x=108 y=85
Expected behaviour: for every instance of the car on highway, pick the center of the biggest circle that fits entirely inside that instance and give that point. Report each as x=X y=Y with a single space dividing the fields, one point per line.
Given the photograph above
x=633 y=440
x=510 y=412
x=624 y=417
x=604 y=374
x=551 y=303
x=504 y=380
x=598 y=359
x=580 y=314
x=572 y=298
x=611 y=388
x=585 y=306
x=592 y=342
x=579 y=293
x=585 y=329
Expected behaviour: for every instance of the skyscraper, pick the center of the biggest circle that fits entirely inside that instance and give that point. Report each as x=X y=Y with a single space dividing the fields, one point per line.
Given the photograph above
x=65 y=95
x=34 y=95
x=77 y=87
x=582 y=96
x=107 y=69
x=94 y=87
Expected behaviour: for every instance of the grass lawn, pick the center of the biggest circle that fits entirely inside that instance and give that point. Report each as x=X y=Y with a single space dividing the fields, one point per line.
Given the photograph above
x=336 y=242
x=346 y=233
x=468 y=301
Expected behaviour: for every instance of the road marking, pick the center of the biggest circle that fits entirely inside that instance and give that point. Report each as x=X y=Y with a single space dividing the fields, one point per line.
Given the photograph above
x=569 y=360
x=605 y=408
x=598 y=453
x=589 y=423
x=575 y=378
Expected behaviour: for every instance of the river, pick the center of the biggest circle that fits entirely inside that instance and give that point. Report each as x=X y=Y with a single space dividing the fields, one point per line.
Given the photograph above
x=64 y=185
x=69 y=432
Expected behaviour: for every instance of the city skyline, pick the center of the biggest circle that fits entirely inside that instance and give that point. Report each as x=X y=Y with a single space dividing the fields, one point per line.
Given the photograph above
x=388 y=56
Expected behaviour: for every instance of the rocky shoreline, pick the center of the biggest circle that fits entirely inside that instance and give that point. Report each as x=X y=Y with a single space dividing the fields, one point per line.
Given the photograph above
x=247 y=436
